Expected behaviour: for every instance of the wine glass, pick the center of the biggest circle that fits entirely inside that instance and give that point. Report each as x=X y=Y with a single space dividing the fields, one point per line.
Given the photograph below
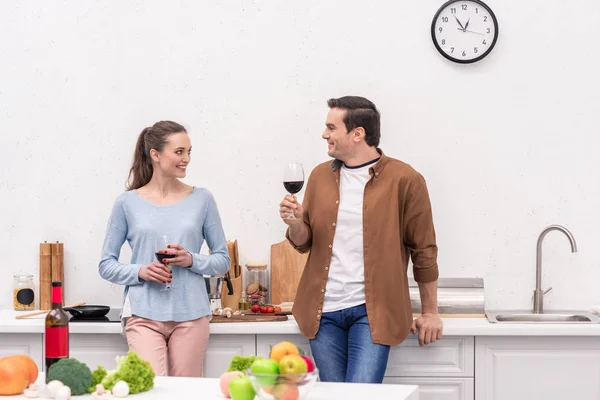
x=161 y=243
x=293 y=181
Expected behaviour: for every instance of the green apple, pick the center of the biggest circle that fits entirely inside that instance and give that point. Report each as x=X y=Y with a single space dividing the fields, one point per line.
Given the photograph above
x=292 y=364
x=240 y=388
x=265 y=371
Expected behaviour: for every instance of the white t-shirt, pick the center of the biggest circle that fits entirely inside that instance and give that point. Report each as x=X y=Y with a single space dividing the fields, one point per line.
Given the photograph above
x=346 y=283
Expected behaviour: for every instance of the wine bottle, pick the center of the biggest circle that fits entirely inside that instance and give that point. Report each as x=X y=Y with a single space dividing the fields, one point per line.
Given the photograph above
x=57 y=329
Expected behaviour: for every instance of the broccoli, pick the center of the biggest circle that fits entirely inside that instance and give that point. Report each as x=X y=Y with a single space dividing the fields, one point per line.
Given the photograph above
x=132 y=369
x=97 y=377
x=241 y=363
x=72 y=373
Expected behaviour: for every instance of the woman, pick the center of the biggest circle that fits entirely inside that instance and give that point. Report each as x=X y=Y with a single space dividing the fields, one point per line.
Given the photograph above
x=169 y=329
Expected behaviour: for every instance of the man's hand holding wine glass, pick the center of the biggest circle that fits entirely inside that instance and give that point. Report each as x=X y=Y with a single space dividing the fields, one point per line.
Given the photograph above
x=291 y=206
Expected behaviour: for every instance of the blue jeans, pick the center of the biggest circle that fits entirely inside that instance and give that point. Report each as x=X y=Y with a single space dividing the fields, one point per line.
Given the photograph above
x=344 y=350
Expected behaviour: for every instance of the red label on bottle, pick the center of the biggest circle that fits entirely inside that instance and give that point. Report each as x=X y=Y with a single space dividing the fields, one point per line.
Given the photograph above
x=57 y=342
x=56 y=294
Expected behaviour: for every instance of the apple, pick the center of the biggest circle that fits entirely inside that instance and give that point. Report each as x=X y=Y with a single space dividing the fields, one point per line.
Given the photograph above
x=283 y=349
x=285 y=391
x=224 y=380
x=240 y=388
x=309 y=363
x=292 y=364
x=267 y=371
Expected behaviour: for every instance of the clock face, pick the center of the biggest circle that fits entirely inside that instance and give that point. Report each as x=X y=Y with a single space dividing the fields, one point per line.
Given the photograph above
x=464 y=31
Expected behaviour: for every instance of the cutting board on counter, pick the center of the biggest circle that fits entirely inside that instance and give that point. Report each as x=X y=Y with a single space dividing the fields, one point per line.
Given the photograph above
x=249 y=318
x=286 y=269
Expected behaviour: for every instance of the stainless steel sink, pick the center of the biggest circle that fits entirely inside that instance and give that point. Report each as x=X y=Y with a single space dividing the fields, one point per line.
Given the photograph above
x=549 y=317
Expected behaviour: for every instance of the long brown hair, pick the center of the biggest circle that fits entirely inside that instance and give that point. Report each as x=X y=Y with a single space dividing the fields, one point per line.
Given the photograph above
x=153 y=137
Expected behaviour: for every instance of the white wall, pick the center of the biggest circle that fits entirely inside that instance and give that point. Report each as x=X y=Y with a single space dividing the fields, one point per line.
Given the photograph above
x=508 y=145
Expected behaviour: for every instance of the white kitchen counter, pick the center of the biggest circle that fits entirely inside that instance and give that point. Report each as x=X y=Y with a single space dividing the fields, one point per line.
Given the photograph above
x=208 y=388
x=452 y=327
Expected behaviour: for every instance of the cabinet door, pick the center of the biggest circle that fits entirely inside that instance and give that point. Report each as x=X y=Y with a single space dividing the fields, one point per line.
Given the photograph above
x=549 y=368
x=264 y=343
x=23 y=343
x=439 y=388
x=452 y=356
x=222 y=348
x=97 y=349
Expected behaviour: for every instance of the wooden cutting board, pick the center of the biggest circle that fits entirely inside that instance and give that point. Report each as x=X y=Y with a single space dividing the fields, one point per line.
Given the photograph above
x=286 y=269
x=249 y=318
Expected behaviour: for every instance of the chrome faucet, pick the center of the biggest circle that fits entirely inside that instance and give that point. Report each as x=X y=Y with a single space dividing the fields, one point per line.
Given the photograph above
x=538 y=293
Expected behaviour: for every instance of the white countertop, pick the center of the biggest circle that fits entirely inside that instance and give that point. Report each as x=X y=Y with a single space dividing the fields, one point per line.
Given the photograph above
x=452 y=327
x=208 y=388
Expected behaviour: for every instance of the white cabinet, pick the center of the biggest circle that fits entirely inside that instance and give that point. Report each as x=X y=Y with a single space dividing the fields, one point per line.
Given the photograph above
x=439 y=388
x=23 y=343
x=97 y=349
x=450 y=357
x=549 y=368
x=222 y=348
x=264 y=343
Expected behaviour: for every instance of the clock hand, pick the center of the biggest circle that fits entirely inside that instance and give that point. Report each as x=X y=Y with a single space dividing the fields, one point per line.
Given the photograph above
x=467 y=24
x=461 y=26
x=477 y=33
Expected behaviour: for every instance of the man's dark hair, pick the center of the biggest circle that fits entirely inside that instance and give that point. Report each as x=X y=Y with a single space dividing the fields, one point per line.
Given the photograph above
x=360 y=112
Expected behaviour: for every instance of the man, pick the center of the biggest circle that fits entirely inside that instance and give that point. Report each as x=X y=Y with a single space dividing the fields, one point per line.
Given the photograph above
x=364 y=214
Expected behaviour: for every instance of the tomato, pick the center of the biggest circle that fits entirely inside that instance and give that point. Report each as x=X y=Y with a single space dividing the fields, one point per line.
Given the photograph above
x=255 y=308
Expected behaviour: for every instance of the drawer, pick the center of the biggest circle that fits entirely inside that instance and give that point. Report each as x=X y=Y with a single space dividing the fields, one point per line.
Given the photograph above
x=440 y=388
x=452 y=356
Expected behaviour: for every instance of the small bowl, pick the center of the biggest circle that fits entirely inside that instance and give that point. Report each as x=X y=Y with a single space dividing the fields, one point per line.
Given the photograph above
x=275 y=387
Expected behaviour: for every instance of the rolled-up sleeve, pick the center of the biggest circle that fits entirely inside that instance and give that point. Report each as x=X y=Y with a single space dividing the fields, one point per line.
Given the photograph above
x=419 y=231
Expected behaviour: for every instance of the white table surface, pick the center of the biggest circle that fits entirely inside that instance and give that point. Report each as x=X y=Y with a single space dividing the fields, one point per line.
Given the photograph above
x=166 y=388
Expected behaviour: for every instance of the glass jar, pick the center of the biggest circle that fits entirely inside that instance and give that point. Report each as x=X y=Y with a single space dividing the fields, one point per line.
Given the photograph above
x=23 y=293
x=257 y=282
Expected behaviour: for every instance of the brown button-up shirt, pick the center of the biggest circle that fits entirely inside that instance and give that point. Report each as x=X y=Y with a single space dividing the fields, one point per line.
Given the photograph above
x=397 y=224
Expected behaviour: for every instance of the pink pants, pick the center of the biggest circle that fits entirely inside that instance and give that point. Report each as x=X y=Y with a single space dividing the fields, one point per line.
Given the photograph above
x=171 y=348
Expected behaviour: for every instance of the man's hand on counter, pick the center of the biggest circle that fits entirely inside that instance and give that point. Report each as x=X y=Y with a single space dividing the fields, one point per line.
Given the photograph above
x=429 y=327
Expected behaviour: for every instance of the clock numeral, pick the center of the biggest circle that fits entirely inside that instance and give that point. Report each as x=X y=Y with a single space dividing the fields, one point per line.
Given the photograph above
x=464 y=54
x=488 y=30
x=443 y=41
x=464 y=6
x=485 y=18
x=441 y=29
x=475 y=50
x=444 y=19
x=476 y=10
x=484 y=42
x=453 y=10
x=451 y=49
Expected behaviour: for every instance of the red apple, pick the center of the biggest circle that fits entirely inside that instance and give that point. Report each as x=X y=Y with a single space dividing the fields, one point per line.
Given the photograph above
x=309 y=363
x=285 y=391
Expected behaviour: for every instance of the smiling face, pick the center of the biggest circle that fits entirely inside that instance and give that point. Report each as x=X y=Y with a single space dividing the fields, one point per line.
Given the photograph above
x=340 y=143
x=175 y=156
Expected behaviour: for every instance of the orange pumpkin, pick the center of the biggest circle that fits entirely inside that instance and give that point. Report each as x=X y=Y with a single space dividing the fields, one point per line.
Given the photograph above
x=14 y=375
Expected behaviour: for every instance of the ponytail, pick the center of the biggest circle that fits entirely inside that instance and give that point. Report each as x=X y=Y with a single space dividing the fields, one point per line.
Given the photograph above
x=153 y=137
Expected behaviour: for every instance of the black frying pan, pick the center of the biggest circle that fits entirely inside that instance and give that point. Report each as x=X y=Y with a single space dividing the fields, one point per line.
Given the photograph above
x=88 y=311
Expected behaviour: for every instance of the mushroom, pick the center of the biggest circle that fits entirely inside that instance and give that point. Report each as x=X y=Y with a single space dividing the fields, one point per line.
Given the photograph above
x=30 y=393
x=121 y=389
x=101 y=393
x=63 y=393
x=53 y=387
x=228 y=311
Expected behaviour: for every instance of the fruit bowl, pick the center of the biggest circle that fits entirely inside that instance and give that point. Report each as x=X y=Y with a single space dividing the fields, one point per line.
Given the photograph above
x=283 y=386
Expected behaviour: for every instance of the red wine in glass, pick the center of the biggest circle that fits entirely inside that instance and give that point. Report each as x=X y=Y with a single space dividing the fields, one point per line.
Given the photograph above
x=293 y=180
x=161 y=243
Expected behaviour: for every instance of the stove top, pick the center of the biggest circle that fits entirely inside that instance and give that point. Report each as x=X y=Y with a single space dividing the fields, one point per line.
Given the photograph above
x=112 y=316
